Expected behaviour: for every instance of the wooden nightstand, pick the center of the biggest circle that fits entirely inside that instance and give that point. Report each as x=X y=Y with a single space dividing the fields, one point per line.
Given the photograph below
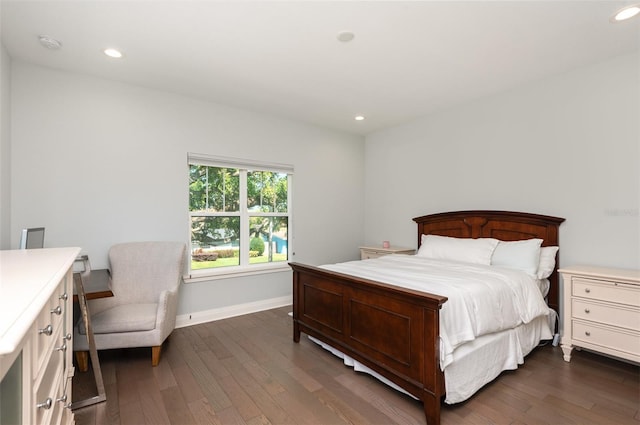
x=601 y=311
x=367 y=252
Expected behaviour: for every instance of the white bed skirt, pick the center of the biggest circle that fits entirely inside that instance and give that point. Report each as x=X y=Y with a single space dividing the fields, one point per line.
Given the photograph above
x=478 y=362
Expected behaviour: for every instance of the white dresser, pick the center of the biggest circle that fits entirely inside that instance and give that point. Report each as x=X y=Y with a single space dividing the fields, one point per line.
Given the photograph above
x=367 y=252
x=36 y=315
x=601 y=311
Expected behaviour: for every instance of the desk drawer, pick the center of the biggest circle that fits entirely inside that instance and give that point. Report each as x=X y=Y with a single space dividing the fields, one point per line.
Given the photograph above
x=606 y=291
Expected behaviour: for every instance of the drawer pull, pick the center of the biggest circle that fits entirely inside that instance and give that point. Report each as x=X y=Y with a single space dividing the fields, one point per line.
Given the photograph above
x=587 y=333
x=587 y=290
x=47 y=331
x=57 y=310
x=586 y=310
x=62 y=348
x=64 y=297
x=67 y=337
x=63 y=400
x=46 y=405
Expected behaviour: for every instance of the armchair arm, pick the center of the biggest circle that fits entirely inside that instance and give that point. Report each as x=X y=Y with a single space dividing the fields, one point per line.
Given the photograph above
x=167 y=311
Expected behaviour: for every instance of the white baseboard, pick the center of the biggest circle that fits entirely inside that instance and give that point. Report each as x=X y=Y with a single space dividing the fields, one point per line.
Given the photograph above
x=191 y=319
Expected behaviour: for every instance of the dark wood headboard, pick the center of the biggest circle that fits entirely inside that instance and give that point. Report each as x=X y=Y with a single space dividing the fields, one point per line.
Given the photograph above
x=503 y=225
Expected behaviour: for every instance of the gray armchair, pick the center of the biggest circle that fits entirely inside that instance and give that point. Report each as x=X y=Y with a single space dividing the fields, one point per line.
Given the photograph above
x=145 y=280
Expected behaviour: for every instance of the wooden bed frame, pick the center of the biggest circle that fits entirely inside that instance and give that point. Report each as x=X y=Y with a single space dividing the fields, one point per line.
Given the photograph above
x=393 y=330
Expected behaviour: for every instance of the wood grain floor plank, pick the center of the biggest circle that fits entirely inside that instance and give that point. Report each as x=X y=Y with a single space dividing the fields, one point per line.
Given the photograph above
x=341 y=399
x=299 y=402
x=501 y=398
x=305 y=409
x=177 y=409
x=203 y=413
x=187 y=384
x=131 y=414
x=493 y=414
x=216 y=347
x=304 y=379
x=213 y=363
x=402 y=401
x=259 y=420
x=164 y=376
x=152 y=403
x=208 y=384
x=616 y=414
x=239 y=398
x=340 y=408
x=272 y=411
x=264 y=377
x=230 y=416
x=228 y=342
x=358 y=387
x=171 y=349
x=195 y=341
x=576 y=413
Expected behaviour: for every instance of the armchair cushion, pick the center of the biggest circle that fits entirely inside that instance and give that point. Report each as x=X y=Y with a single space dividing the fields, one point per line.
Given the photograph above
x=123 y=318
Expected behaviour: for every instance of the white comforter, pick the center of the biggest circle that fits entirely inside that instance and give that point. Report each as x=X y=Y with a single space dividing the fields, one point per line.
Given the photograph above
x=481 y=299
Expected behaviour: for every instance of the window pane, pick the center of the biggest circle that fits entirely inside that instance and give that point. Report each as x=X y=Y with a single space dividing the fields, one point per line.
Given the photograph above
x=213 y=189
x=268 y=240
x=215 y=242
x=266 y=191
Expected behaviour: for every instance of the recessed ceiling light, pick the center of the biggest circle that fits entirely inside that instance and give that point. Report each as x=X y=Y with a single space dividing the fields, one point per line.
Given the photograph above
x=625 y=13
x=359 y=117
x=345 y=36
x=49 y=42
x=113 y=53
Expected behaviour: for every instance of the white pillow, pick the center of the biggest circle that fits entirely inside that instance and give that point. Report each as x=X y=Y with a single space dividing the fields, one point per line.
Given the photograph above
x=547 y=261
x=519 y=255
x=476 y=251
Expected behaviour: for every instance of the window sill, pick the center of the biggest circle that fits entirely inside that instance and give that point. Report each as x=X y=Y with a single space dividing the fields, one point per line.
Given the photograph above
x=235 y=272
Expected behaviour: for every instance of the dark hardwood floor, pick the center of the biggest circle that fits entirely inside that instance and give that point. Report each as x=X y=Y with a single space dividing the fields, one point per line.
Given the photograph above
x=247 y=370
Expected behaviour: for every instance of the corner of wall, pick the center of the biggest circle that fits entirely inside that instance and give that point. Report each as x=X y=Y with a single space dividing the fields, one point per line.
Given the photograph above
x=5 y=148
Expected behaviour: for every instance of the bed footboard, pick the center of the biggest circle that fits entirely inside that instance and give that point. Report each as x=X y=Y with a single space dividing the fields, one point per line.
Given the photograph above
x=392 y=330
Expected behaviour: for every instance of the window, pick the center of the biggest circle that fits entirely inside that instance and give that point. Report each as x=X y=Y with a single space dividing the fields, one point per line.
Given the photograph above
x=240 y=215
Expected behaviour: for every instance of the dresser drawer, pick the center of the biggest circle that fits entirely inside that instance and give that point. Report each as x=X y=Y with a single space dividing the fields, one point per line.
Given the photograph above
x=622 y=340
x=606 y=291
x=49 y=386
x=49 y=328
x=626 y=317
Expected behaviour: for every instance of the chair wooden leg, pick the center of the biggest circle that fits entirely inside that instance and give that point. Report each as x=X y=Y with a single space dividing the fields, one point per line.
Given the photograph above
x=155 y=355
x=82 y=357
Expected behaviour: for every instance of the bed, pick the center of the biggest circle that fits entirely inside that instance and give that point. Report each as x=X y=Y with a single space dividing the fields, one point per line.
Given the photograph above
x=394 y=331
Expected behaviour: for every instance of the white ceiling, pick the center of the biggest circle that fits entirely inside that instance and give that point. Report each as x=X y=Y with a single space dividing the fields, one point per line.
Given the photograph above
x=408 y=59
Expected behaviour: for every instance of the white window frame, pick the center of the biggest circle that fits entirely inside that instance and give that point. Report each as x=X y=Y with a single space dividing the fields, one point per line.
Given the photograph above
x=244 y=268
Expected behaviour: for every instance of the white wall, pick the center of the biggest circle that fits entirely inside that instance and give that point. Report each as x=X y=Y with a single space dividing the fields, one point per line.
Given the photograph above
x=5 y=149
x=99 y=162
x=566 y=146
